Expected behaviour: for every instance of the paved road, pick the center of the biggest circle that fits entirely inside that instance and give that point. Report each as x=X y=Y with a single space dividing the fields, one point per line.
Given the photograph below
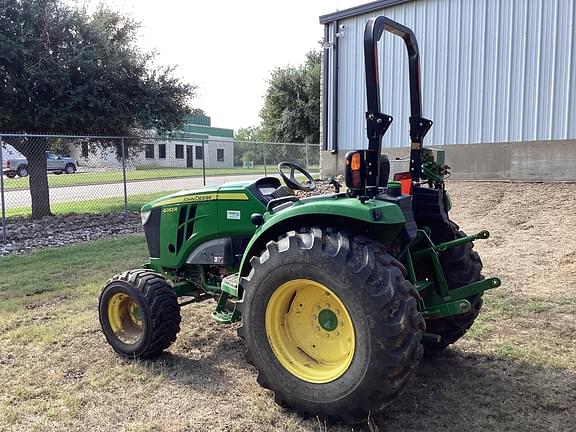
x=21 y=198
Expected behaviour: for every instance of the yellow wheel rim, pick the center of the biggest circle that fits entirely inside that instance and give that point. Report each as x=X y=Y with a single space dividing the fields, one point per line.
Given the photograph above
x=125 y=318
x=310 y=331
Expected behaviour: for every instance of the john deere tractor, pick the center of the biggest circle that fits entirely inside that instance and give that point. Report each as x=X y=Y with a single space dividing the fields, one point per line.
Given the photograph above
x=338 y=295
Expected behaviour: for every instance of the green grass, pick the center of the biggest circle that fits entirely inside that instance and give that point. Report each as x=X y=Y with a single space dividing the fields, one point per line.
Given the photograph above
x=534 y=354
x=500 y=304
x=91 y=178
x=43 y=273
x=100 y=205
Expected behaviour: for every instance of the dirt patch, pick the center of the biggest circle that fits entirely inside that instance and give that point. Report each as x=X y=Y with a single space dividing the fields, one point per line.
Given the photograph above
x=533 y=242
x=50 y=302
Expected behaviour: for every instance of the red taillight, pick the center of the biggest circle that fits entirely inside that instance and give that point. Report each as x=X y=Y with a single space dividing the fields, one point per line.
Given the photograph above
x=405 y=179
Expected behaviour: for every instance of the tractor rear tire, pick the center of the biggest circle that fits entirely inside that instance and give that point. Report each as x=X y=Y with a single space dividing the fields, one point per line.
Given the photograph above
x=462 y=266
x=331 y=324
x=139 y=314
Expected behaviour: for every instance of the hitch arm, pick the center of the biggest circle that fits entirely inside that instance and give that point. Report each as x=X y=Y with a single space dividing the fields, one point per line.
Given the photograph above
x=443 y=246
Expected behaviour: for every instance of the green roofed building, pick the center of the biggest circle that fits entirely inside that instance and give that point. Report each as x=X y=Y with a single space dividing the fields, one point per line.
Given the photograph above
x=195 y=144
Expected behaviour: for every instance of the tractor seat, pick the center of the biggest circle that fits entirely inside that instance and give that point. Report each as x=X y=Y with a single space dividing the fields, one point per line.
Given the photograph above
x=282 y=191
x=269 y=188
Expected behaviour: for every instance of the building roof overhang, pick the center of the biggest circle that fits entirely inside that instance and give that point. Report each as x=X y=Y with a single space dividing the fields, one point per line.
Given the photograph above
x=359 y=10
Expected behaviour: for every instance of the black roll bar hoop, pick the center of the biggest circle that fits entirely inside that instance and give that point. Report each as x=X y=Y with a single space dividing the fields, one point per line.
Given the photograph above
x=376 y=122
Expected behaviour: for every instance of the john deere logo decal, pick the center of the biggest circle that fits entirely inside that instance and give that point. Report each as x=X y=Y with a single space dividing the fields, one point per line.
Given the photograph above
x=194 y=198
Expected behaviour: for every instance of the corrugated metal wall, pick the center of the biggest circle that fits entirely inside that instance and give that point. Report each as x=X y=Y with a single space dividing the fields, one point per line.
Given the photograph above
x=493 y=71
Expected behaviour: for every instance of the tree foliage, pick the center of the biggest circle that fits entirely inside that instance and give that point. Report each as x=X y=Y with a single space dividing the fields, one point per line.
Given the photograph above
x=64 y=70
x=250 y=133
x=291 y=111
x=291 y=114
x=248 y=146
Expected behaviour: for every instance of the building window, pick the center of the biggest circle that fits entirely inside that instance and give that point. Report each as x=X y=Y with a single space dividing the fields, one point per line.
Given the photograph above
x=179 y=151
x=219 y=155
x=149 y=152
x=162 y=151
x=84 y=149
x=199 y=153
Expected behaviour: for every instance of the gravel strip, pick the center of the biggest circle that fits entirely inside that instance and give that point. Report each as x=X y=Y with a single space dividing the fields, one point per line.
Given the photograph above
x=25 y=234
x=323 y=187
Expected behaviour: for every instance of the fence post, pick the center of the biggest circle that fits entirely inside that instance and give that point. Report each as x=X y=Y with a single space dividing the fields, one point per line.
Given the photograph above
x=123 y=149
x=203 y=164
x=4 y=236
x=306 y=152
x=264 y=156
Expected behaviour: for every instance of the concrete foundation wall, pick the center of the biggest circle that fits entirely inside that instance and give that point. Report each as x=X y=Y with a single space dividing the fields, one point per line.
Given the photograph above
x=522 y=161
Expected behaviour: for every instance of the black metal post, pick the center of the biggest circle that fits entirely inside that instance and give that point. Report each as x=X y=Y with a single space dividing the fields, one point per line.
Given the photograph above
x=264 y=156
x=335 y=101
x=203 y=163
x=325 y=63
x=123 y=150
x=4 y=235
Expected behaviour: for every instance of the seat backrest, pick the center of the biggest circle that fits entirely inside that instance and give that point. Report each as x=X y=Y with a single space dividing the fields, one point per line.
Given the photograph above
x=384 y=171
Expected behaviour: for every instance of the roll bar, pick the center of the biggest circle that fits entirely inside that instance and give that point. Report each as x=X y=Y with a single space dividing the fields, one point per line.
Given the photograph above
x=376 y=122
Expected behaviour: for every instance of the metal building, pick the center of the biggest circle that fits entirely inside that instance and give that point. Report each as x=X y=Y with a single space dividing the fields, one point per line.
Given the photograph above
x=498 y=80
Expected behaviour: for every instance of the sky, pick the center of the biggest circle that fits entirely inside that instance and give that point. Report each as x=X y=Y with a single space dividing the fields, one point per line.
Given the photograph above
x=229 y=47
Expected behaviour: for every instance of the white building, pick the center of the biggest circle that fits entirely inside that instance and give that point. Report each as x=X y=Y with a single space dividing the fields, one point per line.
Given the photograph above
x=197 y=144
x=498 y=80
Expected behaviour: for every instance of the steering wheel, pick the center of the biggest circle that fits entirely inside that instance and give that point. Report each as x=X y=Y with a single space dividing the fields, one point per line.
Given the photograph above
x=291 y=181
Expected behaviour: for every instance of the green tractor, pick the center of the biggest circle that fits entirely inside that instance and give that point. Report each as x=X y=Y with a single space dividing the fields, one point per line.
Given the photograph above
x=338 y=295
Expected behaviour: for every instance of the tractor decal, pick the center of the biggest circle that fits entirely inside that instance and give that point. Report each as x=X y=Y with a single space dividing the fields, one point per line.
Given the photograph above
x=203 y=197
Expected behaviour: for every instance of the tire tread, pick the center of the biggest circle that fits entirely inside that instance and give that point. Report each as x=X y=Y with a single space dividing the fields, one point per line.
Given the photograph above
x=162 y=303
x=400 y=349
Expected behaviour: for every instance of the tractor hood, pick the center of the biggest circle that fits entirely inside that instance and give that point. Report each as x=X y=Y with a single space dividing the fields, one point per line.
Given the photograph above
x=207 y=193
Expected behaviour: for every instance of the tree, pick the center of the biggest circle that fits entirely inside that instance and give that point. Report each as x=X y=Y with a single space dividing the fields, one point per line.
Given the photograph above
x=291 y=111
x=63 y=70
x=250 y=133
x=247 y=147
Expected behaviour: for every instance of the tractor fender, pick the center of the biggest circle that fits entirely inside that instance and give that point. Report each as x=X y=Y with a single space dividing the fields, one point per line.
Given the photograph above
x=377 y=219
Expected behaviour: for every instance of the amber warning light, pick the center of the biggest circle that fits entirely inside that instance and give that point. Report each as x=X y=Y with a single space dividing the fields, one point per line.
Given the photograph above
x=356 y=162
x=355 y=175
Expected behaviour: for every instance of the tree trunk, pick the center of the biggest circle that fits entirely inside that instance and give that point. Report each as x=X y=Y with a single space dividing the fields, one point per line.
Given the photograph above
x=39 y=191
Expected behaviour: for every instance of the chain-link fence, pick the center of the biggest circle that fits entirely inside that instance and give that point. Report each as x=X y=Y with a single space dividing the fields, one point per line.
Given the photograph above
x=49 y=174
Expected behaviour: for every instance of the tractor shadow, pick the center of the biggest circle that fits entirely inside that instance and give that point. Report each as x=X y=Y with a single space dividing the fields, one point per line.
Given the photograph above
x=201 y=364
x=472 y=392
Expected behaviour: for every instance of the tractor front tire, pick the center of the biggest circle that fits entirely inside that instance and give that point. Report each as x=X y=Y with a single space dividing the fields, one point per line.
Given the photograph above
x=139 y=314
x=462 y=266
x=331 y=324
